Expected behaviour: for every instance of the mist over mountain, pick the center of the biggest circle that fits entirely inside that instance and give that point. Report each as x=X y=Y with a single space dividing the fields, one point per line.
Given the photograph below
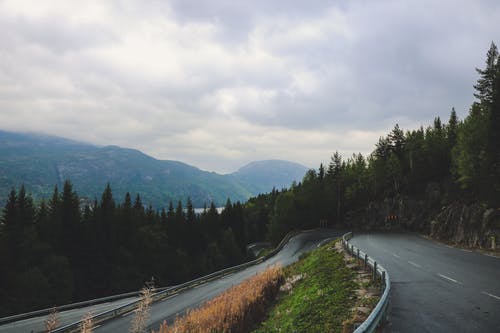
x=40 y=162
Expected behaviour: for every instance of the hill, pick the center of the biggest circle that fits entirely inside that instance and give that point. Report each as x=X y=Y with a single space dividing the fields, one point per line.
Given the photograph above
x=41 y=161
x=260 y=176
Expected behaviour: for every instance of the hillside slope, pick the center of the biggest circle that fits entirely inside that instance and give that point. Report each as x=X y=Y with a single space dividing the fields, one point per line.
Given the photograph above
x=40 y=162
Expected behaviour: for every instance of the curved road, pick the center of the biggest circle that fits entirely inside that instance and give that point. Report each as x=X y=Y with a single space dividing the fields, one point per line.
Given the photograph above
x=436 y=288
x=178 y=304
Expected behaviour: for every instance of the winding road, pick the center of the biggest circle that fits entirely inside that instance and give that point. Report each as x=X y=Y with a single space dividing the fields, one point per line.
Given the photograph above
x=169 y=308
x=435 y=287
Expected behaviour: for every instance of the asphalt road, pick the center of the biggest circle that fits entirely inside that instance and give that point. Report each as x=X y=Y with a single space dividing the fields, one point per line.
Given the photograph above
x=37 y=324
x=169 y=308
x=436 y=288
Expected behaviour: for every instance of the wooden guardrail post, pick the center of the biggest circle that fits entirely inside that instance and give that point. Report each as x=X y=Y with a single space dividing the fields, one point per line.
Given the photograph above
x=374 y=271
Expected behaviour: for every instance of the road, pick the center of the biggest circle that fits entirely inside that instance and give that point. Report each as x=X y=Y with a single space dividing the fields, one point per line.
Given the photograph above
x=37 y=324
x=436 y=288
x=178 y=304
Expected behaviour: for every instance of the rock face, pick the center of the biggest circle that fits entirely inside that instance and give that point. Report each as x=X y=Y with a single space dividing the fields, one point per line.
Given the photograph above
x=398 y=213
x=470 y=225
x=466 y=224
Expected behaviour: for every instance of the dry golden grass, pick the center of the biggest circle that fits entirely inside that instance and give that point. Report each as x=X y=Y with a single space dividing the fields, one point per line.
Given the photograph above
x=87 y=323
x=142 y=312
x=52 y=321
x=235 y=310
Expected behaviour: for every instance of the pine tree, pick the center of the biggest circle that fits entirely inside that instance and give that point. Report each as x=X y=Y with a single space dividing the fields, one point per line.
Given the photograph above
x=452 y=129
x=485 y=84
x=397 y=141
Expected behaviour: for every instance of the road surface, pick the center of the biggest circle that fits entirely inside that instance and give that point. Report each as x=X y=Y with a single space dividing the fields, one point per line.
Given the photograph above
x=436 y=288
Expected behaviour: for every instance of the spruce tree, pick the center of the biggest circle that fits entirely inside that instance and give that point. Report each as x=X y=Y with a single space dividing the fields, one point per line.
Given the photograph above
x=485 y=84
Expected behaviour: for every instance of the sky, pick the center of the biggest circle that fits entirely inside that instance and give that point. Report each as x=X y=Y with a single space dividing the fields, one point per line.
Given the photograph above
x=220 y=83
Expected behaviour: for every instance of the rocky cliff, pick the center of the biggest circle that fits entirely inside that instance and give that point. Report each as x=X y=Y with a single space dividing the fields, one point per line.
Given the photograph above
x=468 y=224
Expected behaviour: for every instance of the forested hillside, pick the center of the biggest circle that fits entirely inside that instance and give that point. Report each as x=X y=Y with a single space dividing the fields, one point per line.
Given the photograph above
x=443 y=179
x=40 y=162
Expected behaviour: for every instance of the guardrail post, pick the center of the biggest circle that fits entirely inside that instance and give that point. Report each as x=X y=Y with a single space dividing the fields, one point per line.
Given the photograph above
x=357 y=257
x=366 y=261
x=352 y=249
x=374 y=271
x=382 y=284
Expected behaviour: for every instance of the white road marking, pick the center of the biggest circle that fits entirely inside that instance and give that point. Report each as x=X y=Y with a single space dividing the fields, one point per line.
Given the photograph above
x=491 y=295
x=449 y=278
x=395 y=255
x=414 y=264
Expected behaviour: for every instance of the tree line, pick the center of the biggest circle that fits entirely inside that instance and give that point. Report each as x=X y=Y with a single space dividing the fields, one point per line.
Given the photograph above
x=61 y=251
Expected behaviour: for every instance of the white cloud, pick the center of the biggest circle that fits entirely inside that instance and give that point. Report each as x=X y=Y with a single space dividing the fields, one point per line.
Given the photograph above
x=217 y=84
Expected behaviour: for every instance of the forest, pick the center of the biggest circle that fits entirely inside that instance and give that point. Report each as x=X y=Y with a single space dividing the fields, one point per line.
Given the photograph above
x=63 y=250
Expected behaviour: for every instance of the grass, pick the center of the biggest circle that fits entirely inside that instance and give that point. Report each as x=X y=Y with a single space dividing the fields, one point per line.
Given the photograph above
x=317 y=297
x=235 y=310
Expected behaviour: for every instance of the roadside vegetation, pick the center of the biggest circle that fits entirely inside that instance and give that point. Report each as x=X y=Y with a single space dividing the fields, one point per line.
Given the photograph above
x=322 y=293
x=325 y=291
x=235 y=310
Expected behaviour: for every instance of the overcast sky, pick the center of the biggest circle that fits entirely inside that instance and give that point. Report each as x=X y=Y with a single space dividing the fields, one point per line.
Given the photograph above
x=220 y=83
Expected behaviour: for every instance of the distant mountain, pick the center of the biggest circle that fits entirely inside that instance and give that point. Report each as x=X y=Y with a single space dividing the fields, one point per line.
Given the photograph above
x=39 y=162
x=260 y=176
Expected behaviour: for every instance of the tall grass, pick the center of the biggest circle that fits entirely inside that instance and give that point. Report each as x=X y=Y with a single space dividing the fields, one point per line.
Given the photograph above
x=52 y=321
x=235 y=310
x=141 y=315
x=87 y=323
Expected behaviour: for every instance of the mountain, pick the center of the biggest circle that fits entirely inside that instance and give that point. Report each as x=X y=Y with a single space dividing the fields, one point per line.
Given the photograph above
x=40 y=162
x=260 y=176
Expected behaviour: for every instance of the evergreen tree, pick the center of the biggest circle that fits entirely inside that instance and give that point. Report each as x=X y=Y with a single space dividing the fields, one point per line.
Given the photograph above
x=485 y=84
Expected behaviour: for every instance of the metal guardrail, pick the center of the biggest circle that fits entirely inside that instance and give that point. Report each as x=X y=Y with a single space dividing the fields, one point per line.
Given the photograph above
x=47 y=311
x=169 y=291
x=379 y=312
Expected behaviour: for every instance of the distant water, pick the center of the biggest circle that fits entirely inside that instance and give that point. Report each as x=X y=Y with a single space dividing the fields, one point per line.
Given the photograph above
x=200 y=210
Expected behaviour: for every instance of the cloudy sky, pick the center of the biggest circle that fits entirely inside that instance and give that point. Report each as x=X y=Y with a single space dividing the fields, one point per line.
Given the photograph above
x=220 y=83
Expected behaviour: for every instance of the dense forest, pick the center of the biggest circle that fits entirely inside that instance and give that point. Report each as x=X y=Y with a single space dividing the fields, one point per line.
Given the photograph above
x=57 y=251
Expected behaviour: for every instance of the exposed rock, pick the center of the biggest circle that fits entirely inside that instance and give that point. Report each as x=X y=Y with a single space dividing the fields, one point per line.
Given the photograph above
x=469 y=225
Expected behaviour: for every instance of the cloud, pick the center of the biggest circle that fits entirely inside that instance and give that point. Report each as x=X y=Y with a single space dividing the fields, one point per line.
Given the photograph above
x=220 y=83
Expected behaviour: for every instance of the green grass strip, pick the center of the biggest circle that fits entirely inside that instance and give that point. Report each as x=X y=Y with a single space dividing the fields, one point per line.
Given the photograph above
x=320 y=302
